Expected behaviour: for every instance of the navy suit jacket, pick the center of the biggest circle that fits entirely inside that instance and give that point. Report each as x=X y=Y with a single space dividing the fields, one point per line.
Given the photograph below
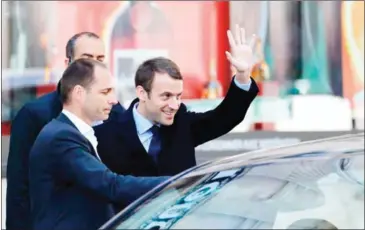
x=25 y=127
x=121 y=150
x=70 y=188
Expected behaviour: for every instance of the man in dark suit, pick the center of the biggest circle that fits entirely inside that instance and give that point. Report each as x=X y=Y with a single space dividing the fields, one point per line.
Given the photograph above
x=157 y=135
x=27 y=124
x=69 y=187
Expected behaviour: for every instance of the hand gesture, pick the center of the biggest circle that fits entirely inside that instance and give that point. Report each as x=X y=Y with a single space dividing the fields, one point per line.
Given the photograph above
x=242 y=58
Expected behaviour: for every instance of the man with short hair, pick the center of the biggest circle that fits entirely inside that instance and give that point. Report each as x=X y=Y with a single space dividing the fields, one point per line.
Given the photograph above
x=157 y=135
x=69 y=187
x=27 y=124
x=85 y=45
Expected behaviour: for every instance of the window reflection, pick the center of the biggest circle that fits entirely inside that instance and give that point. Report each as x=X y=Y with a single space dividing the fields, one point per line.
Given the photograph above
x=312 y=224
x=310 y=193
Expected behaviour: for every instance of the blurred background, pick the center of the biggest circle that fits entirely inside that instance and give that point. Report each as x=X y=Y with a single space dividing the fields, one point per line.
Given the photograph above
x=309 y=59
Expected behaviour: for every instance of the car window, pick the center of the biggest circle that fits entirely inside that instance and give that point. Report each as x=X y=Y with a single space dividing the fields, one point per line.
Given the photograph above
x=325 y=193
x=334 y=145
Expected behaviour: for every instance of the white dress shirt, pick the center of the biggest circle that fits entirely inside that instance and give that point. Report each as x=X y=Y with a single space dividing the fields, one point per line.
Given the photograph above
x=84 y=129
x=143 y=125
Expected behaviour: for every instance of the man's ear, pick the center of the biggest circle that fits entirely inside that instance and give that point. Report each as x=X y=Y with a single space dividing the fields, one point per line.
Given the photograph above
x=141 y=93
x=78 y=92
x=67 y=61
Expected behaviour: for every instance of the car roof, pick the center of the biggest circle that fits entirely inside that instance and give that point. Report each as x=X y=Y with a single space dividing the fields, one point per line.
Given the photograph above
x=321 y=148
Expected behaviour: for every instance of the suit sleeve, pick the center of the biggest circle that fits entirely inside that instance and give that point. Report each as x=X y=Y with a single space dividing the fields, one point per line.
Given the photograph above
x=75 y=164
x=228 y=114
x=24 y=130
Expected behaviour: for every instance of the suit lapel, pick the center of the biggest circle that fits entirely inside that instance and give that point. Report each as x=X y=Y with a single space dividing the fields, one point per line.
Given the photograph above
x=63 y=118
x=129 y=131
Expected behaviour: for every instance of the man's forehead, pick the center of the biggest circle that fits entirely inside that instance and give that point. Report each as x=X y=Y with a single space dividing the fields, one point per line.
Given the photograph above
x=171 y=86
x=103 y=78
x=164 y=79
x=102 y=70
x=89 y=45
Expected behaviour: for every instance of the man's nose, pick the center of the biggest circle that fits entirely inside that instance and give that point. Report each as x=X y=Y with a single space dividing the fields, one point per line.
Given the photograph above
x=174 y=104
x=113 y=102
x=113 y=99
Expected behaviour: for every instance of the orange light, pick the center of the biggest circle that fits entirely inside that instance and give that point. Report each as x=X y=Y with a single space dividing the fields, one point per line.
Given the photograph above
x=353 y=24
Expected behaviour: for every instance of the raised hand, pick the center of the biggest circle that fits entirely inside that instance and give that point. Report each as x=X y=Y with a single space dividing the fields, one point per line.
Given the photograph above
x=241 y=56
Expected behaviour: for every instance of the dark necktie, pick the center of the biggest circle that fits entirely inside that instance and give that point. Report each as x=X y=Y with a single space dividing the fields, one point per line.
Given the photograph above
x=155 y=145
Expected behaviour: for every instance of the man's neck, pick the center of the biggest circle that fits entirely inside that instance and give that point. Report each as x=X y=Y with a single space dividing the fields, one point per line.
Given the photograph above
x=141 y=110
x=77 y=113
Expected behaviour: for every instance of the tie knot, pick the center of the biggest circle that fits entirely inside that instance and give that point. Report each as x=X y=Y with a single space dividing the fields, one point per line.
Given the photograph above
x=154 y=129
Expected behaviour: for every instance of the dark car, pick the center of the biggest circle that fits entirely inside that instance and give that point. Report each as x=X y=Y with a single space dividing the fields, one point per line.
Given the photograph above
x=311 y=185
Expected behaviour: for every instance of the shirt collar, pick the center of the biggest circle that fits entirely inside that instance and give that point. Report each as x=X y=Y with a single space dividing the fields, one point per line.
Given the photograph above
x=80 y=124
x=142 y=124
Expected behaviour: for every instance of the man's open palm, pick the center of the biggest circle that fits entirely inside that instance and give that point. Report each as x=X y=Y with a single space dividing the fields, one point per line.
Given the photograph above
x=241 y=56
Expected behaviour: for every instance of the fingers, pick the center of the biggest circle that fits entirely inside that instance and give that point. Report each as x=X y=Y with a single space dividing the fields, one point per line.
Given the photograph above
x=231 y=59
x=231 y=41
x=243 y=36
x=240 y=37
x=253 y=41
x=237 y=35
x=229 y=56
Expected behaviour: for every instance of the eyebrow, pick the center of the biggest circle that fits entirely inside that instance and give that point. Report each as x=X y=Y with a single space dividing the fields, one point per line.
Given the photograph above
x=87 y=54
x=90 y=55
x=179 y=94
x=106 y=89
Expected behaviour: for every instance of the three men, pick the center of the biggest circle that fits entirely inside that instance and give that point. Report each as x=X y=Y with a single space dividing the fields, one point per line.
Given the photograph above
x=156 y=136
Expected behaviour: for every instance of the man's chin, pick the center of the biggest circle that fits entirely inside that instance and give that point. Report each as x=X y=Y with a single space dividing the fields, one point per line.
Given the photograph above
x=104 y=117
x=167 y=122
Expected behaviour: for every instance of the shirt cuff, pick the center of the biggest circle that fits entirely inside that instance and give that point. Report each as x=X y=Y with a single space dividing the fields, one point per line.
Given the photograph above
x=245 y=87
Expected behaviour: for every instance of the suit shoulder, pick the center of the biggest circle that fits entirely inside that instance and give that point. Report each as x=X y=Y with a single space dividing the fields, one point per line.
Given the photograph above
x=47 y=98
x=106 y=126
x=53 y=138
x=56 y=129
x=46 y=135
x=52 y=129
x=116 y=122
x=42 y=103
x=182 y=110
x=43 y=108
x=117 y=111
x=59 y=127
x=118 y=108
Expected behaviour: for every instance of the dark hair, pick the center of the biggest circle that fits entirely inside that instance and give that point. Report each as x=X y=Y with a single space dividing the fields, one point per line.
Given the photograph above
x=146 y=71
x=70 y=46
x=79 y=72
